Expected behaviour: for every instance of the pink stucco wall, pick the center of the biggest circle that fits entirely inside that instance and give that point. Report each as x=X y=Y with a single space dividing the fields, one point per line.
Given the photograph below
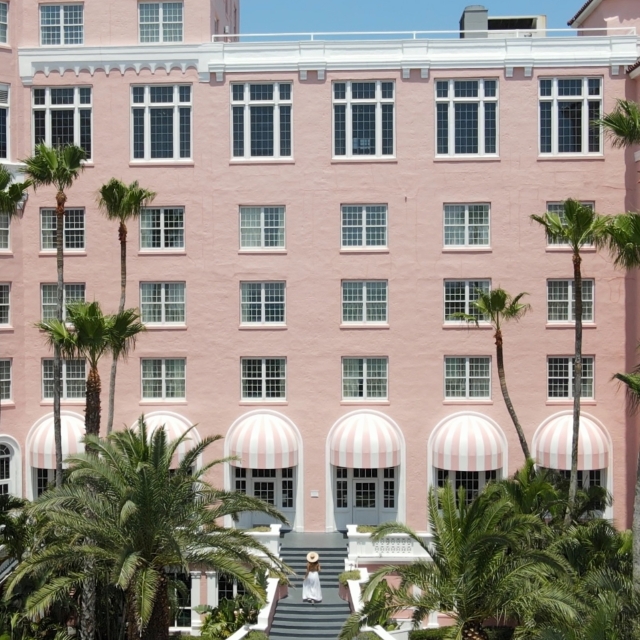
x=611 y=14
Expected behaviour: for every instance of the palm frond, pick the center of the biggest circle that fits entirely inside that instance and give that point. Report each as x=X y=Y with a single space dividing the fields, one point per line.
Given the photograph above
x=622 y=125
x=11 y=193
x=58 y=166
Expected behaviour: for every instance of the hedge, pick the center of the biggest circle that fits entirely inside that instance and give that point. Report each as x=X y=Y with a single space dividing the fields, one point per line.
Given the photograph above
x=494 y=633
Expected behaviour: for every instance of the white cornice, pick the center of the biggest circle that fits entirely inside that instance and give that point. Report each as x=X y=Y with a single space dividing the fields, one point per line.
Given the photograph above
x=221 y=58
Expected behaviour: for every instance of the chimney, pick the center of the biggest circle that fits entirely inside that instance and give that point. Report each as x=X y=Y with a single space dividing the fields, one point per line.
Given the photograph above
x=474 y=18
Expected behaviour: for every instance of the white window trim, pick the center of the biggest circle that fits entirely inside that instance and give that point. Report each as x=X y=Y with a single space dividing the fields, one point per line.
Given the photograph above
x=263 y=378
x=4 y=325
x=571 y=378
x=571 y=312
x=81 y=250
x=482 y=478
x=5 y=42
x=163 y=249
x=262 y=247
x=364 y=398
x=163 y=398
x=63 y=390
x=64 y=296
x=62 y=25
x=466 y=244
x=263 y=322
x=364 y=247
x=364 y=321
x=6 y=107
x=467 y=397
x=466 y=281
x=10 y=399
x=163 y=303
x=15 y=465
x=160 y=39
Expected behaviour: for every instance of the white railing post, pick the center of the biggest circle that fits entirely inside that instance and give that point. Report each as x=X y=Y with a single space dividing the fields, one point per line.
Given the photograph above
x=196 y=621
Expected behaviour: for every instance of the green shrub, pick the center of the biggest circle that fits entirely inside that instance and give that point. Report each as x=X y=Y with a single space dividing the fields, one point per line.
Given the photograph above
x=494 y=633
x=348 y=575
x=367 y=635
x=260 y=529
x=257 y=635
x=365 y=528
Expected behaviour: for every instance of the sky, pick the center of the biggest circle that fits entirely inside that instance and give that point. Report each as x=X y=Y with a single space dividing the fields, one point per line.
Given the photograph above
x=277 y=16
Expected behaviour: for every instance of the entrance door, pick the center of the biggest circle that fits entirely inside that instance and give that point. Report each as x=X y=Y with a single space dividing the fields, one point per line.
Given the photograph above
x=365 y=496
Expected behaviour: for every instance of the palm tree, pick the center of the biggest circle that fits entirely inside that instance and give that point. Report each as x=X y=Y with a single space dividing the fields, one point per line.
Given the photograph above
x=498 y=306
x=140 y=518
x=121 y=202
x=622 y=125
x=88 y=333
x=577 y=226
x=58 y=167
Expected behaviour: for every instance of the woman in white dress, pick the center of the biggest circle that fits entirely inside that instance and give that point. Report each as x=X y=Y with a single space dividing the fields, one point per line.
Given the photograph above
x=311 y=586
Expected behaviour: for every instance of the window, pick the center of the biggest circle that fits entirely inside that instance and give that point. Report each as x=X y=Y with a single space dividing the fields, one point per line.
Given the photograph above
x=261 y=120
x=561 y=298
x=73 y=379
x=467 y=378
x=61 y=24
x=5 y=228
x=5 y=469
x=73 y=229
x=5 y=315
x=262 y=302
x=287 y=487
x=5 y=379
x=162 y=228
x=364 y=302
x=466 y=225
x=4 y=113
x=342 y=493
x=568 y=107
x=164 y=379
x=4 y=22
x=472 y=482
x=160 y=22
x=182 y=612
x=389 y=489
x=63 y=116
x=558 y=209
x=363 y=119
x=161 y=122
x=263 y=378
x=162 y=302
x=466 y=117
x=364 y=378
x=586 y=479
x=261 y=227
x=71 y=293
x=264 y=490
x=459 y=296
x=228 y=587
x=45 y=478
x=241 y=479
x=560 y=377
x=364 y=225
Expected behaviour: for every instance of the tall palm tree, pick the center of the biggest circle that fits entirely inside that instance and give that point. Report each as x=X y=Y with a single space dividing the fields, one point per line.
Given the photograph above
x=622 y=125
x=88 y=333
x=577 y=226
x=121 y=202
x=142 y=517
x=498 y=306
x=59 y=167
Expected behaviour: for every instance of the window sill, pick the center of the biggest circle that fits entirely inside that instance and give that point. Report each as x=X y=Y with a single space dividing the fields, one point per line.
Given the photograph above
x=370 y=325
x=458 y=326
x=567 y=249
x=598 y=157
x=166 y=327
x=6 y=329
x=5 y=46
x=163 y=401
x=161 y=252
x=7 y=404
x=355 y=250
x=262 y=161
x=67 y=254
x=468 y=401
x=6 y=253
x=162 y=163
x=356 y=403
x=469 y=158
x=569 y=402
x=365 y=160
x=467 y=250
x=270 y=403
x=570 y=325
x=262 y=252
x=262 y=327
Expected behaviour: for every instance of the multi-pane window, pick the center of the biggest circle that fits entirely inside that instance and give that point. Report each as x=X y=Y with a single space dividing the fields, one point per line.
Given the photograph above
x=560 y=377
x=264 y=489
x=182 y=613
x=240 y=476
x=5 y=228
x=263 y=378
x=61 y=24
x=164 y=378
x=161 y=122
x=228 y=587
x=364 y=378
x=466 y=117
x=5 y=315
x=287 y=488
x=160 y=22
x=62 y=116
x=561 y=300
x=459 y=296
x=4 y=22
x=568 y=109
x=5 y=469
x=261 y=120
x=162 y=302
x=363 y=119
x=162 y=228
x=557 y=208
x=261 y=227
x=472 y=482
x=466 y=225
x=45 y=478
x=468 y=377
x=71 y=293
x=389 y=488
x=74 y=378
x=73 y=230
x=262 y=302
x=364 y=225
x=342 y=488
x=364 y=301
x=4 y=116
x=5 y=379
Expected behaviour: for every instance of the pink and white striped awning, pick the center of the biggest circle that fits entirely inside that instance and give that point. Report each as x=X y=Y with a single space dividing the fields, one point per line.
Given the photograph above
x=553 y=444
x=263 y=440
x=41 y=445
x=175 y=426
x=467 y=442
x=365 y=440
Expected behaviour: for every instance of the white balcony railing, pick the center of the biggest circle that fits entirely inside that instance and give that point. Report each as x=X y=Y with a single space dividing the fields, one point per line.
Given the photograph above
x=392 y=547
x=269 y=539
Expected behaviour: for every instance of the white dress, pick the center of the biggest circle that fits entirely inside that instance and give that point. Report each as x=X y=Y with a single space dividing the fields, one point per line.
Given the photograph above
x=311 y=587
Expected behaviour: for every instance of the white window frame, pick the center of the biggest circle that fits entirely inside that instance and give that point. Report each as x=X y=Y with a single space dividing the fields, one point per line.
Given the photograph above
x=163 y=229
x=468 y=378
x=365 y=286
x=4 y=23
x=8 y=363
x=51 y=480
x=585 y=99
x=67 y=230
x=264 y=212
x=440 y=476
x=5 y=232
x=570 y=301
x=469 y=289
x=467 y=235
x=163 y=303
x=558 y=209
x=161 y=23
x=365 y=397
x=65 y=295
x=163 y=379
x=6 y=286
x=481 y=100
x=570 y=378
x=364 y=211
x=5 y=90
x=263 y=380
x=64 y=392
x=62 y=23
x=246 y=103
x=264 y=285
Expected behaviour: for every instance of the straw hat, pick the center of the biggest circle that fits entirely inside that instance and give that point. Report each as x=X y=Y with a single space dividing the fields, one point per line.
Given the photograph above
x=312 y=556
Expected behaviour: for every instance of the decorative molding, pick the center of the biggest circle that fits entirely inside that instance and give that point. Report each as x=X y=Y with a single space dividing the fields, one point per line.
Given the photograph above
x=615 y=69
x=508 y=72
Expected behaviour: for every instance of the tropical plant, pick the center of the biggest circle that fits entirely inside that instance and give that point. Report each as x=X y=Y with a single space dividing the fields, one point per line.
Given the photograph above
x=498 y=307
x=11 y=193
x=121 y=202
x=88 y=333
x=59 y=167
x=229 y=616
x=128 y=515
x=578 y=225
x=622 y=125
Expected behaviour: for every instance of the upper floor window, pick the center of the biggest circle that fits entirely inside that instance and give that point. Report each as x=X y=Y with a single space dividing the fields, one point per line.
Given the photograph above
x=5 y=379
x=365 y=378
x=363 y=119
x=262 y=227
x=364 y=302
x=466 y=225
x=63 y=116
x=71 y=293
x=4 y=22
x=61 y=24
x=73 y=230
x=4 y=118
x=364 y=225
x=557 y=208
x=264 y=378
x=5 y=228
x=161 y=117
x=466 y=117
x=459 y=296
x=164 y=378
x=262 y=302
x=5 y=307
x=162 y=228
x=161 y=22
x=561 y=377
x=162 y=302
x=261 y=120
x=561 y=300
x=73 y=379
x=467 y=377
x=568 y=108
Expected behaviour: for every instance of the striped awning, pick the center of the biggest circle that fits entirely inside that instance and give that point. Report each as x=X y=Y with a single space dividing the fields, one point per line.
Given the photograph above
x=467 y=442
x=175 y=425
x=365 y=440
x=553 y=444
x=41 y=445
x=263 y=440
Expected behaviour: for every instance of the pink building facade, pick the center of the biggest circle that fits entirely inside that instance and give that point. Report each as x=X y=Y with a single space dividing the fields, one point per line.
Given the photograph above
x=323 y=209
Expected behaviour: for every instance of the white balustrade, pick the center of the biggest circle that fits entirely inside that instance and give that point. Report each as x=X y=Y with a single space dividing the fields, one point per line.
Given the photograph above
x=270 y=539
x=398 y=546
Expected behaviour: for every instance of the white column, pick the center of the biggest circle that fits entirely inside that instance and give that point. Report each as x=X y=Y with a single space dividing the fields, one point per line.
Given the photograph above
x=196 y=622
x=212 y=588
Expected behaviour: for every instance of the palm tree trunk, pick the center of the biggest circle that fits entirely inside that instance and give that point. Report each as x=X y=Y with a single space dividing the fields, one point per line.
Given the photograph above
x=158 y=627
x=88 y=609
x=93 y=408
x=635 y=528
x=507 y=399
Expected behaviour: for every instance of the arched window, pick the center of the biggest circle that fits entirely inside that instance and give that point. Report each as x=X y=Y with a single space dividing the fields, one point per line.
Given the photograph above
x=5 y=469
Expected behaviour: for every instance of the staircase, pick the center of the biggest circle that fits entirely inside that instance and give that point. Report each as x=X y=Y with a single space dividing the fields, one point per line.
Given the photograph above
x=297 y=619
